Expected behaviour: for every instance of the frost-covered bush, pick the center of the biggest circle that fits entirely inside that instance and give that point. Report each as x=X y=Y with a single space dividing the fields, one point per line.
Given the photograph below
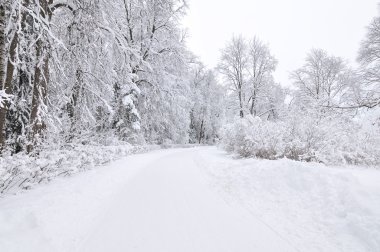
x=22 y=171
x=316 y=137
x=253 y=137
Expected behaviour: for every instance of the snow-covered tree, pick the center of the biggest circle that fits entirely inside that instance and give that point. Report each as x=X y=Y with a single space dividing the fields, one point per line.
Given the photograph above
x=207 y=113
x=261 y=65
x=233 y=67
x=77 y=70
x=247 y=69
x=369 y=58
x=322 y=80
x=2 y=42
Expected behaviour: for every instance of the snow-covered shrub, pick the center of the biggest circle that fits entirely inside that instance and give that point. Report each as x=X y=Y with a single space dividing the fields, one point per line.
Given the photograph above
x=253 y=137
x=22 y=171
x=314 y=137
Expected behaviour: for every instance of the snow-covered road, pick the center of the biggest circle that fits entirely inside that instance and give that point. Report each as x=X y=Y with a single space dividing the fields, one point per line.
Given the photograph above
x=197 y=200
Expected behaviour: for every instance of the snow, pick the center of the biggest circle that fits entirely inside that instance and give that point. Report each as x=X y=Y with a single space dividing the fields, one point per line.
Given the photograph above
x=317 y=208
x=198 y=199
x=127 y=101
x=22 y=171
x=4 y=97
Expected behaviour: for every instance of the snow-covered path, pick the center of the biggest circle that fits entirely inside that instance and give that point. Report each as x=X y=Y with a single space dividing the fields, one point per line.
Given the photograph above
x=168 y=206
x=178 y=200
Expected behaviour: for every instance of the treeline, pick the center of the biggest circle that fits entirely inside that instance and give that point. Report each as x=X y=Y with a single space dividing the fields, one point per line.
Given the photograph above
x=331 y=114
x=97 y=71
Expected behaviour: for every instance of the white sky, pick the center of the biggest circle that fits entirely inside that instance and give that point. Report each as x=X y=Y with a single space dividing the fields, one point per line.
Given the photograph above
x=290 y=27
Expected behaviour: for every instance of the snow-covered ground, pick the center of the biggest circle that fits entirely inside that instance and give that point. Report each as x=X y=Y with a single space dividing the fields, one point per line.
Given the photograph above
x=313 y=207
x=198 y=199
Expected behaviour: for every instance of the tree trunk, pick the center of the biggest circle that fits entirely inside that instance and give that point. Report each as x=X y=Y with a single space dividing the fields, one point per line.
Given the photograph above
x=201 y=133
x=39 y=98
x=41 y=80
x=6 y=84
x=7 y=87
x=253 y=104
x=20 y=83
x=241 y=104
x=2 y=72
x=2 y=43
x=72 y=106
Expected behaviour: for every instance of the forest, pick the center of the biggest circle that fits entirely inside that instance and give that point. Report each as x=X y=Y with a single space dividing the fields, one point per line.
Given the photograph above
x=117 y=134
x=87 y=75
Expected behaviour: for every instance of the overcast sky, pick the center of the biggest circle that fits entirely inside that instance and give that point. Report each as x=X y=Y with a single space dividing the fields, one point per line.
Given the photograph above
x=290 y=27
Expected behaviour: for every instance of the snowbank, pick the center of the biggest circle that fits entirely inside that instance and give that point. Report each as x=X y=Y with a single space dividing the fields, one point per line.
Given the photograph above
x=330 y=140
x=22 y=171
x=313 y=206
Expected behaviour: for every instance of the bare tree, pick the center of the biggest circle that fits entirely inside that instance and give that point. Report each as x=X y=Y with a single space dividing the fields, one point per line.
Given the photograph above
x=369 y=58
x=322 y=78
x=207 y=107
x=233 y=67
x=261 y=67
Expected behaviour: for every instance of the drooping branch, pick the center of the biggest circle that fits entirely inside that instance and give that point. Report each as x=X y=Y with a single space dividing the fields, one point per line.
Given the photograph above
x=57 y=6
x=369 y=105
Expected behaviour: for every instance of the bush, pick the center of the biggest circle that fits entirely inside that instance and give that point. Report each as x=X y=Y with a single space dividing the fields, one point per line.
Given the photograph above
x=329 y=139
x=22 y=171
